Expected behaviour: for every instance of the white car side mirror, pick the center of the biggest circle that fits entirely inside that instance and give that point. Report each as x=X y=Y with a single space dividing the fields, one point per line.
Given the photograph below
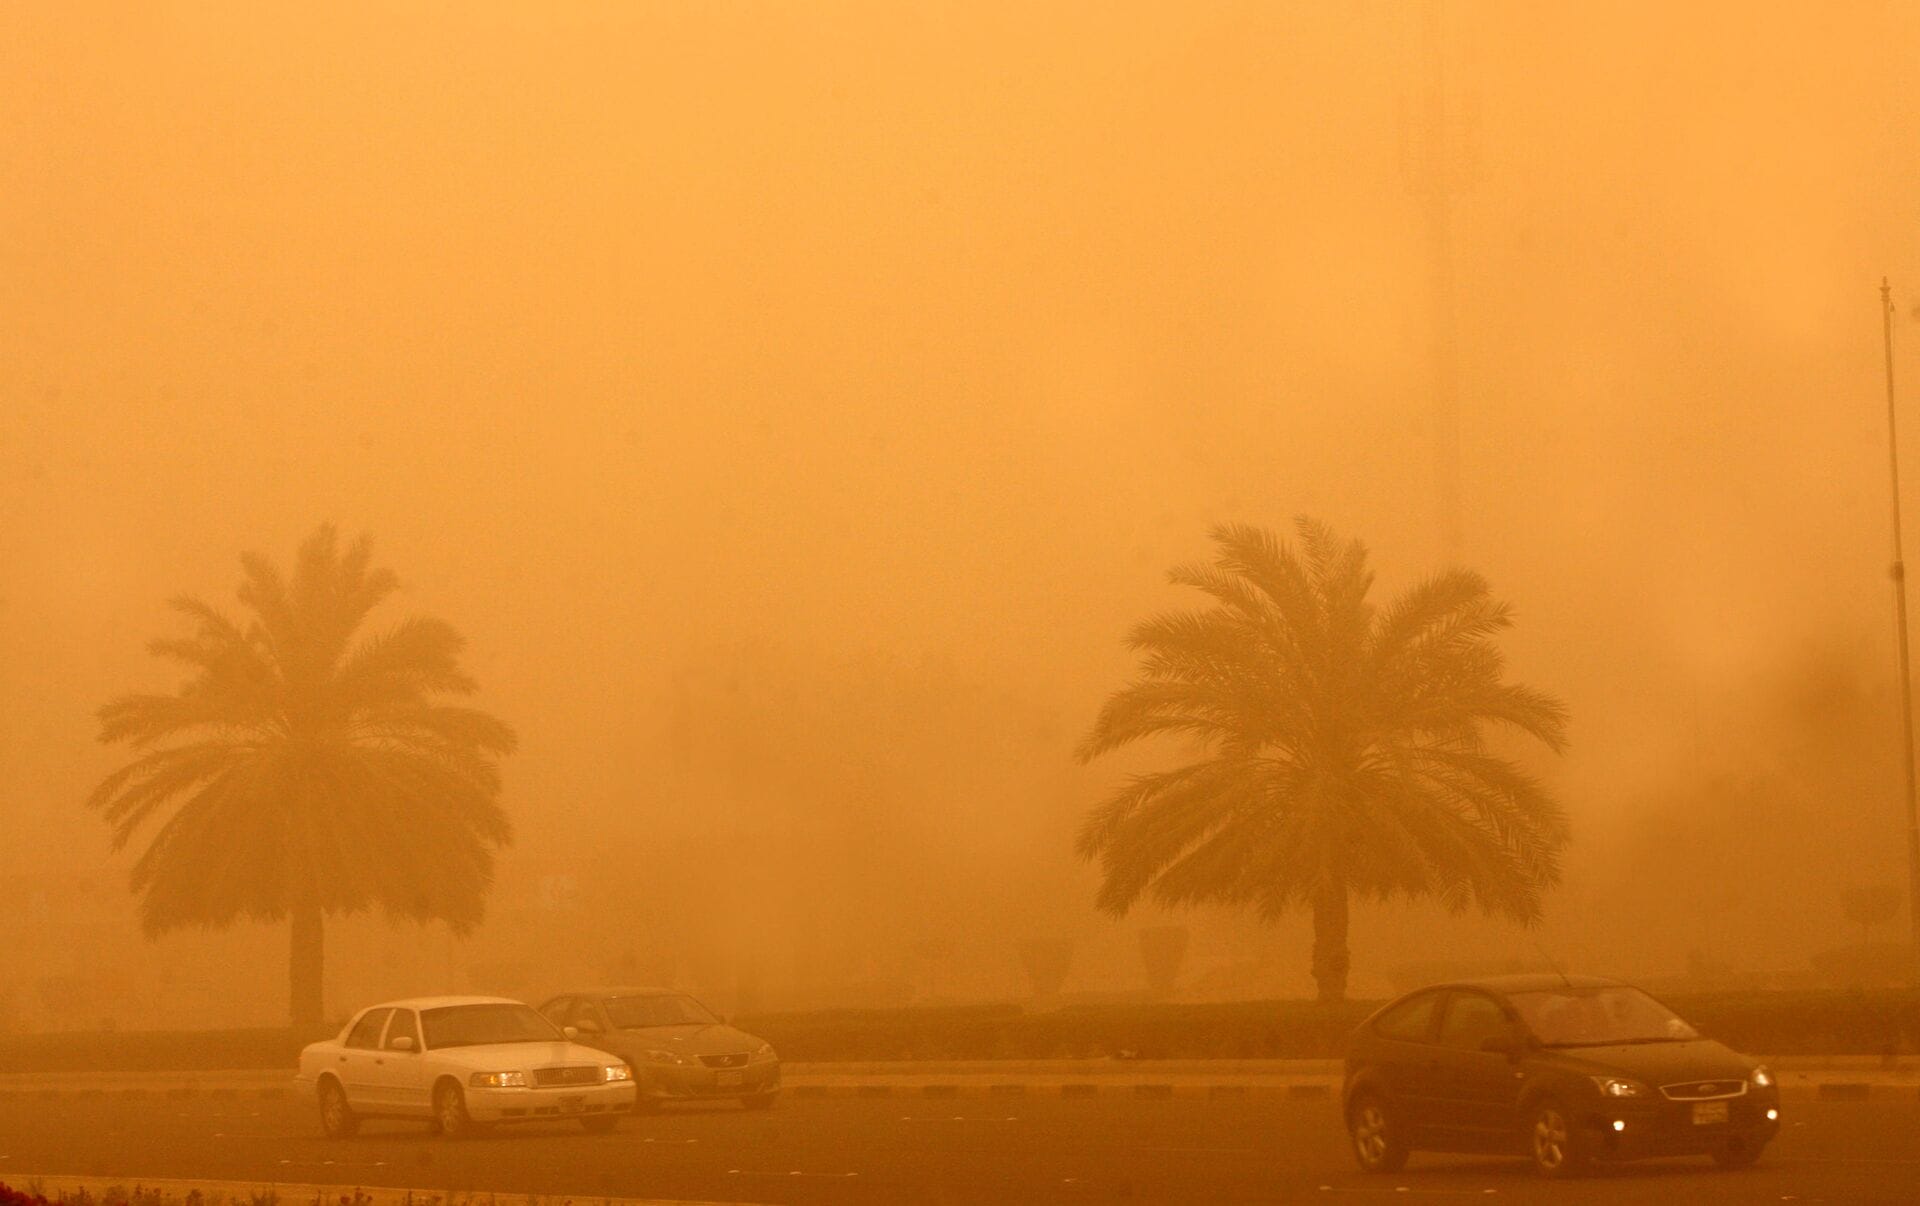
x=572 y=1032
x=402 y=1042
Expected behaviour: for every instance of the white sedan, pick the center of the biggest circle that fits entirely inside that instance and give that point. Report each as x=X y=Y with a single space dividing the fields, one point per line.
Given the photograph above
x=463 y=1063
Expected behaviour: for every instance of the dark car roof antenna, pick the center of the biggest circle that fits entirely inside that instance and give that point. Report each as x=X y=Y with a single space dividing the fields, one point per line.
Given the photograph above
x=1550 y=962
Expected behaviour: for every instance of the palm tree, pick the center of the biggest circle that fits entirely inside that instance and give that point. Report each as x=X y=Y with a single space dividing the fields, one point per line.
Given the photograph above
x=301 y=771
x=1341 y=748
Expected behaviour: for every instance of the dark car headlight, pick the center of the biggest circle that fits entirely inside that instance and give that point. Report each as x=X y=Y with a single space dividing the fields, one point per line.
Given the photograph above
x=1619 y=1086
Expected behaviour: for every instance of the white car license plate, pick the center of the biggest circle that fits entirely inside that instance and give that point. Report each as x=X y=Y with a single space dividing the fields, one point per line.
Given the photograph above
x=1707 y=1112
x=729 y=1079
x=572 y=1105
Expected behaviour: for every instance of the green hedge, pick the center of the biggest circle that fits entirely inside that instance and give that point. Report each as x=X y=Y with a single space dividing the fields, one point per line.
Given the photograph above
x=1269 y=1030
x=1797 y=1023
x=1774 y=1023
x=1875 y=1022
x=156 y=1050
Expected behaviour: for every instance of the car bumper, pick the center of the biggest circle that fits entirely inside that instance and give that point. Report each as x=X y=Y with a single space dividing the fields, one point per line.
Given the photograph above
x=668 y=1083
x=1669 y=1128
x=528 y=1105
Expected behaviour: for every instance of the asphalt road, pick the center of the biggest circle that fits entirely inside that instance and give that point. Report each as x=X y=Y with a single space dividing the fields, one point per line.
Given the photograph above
x=917 y=1150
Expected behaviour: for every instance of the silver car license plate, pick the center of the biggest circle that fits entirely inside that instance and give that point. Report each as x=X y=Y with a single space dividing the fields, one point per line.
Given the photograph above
x=1706 y=1113
x=727 y=1080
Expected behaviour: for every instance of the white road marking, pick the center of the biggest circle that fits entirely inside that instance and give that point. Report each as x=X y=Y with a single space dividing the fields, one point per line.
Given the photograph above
x=743 y=1172
x=1408 y=1189
x=955 y=1118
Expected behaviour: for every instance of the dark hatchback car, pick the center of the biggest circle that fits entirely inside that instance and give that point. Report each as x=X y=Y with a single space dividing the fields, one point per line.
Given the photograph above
x=678 y=1049
x=1567 y=1070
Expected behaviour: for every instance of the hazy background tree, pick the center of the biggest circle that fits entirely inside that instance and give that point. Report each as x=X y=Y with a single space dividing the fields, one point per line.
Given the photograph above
x=1046 y=962
x=1343 y=747
x=1163 y=950
x=302 y=770
x=1869 y=905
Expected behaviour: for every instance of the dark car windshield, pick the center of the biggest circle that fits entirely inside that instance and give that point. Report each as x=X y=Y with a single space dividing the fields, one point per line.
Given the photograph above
x=1598 y=1017
x=475 y=1025
x=662 y=1009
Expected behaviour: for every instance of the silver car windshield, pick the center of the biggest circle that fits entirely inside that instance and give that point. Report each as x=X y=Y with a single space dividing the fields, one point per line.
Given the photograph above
x=479 y=1025
x=639 y=1013
x=1598 y=1017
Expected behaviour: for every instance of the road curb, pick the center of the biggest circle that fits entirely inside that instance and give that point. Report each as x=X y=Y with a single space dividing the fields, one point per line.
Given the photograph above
x=103 y=1189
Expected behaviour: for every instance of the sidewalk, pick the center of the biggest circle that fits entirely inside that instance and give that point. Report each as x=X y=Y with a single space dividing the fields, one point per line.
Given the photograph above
x=1822 y=1078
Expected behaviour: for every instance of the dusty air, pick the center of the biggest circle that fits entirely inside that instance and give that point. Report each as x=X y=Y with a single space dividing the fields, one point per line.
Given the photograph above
x=862 y=603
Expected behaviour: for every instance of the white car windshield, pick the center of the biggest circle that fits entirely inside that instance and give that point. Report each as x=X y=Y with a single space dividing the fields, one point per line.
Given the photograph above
x=1598 y=1017
x=478 y=1025
x=639 y=1013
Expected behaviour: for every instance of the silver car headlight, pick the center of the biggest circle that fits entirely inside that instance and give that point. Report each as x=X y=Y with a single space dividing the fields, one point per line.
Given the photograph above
x=1619 y=1086
x=763 y=1055
x=664 y=1057
x=616 y=1072
x=498 y=1080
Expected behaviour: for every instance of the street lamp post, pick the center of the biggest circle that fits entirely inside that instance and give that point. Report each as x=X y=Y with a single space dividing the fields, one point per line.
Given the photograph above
x=1900 y=621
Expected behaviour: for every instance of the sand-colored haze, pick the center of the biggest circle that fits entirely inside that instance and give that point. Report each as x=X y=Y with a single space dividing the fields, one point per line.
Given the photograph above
x=794 y=404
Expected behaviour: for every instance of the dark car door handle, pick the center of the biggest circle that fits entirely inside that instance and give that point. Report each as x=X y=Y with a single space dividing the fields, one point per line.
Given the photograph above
x=343 y=1059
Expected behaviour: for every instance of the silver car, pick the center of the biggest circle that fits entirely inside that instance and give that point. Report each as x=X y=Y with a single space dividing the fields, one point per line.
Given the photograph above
x=678 y=1049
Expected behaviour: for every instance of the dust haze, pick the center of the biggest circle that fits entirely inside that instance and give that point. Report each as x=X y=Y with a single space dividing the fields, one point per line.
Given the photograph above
x=794 y=405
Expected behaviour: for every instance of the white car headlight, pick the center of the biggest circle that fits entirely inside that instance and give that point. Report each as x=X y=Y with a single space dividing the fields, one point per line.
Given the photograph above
x=664 y=1057
x=1617 y=1086
x=613 y=1072
x=763 y=1054
x=498 y=1080
x=1761 y=1077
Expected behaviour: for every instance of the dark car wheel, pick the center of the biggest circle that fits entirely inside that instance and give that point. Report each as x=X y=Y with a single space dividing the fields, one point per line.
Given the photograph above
x=1555 y=1142
x=1738 y=1153
x=336 y=1116
x=1378 y=1144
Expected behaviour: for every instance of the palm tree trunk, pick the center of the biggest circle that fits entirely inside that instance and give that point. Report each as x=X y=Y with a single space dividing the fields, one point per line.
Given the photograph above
x=306 y=958
x=1330 y=943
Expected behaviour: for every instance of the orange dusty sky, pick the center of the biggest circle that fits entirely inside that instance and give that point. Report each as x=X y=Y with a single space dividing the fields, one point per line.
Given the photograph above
x=831 y=384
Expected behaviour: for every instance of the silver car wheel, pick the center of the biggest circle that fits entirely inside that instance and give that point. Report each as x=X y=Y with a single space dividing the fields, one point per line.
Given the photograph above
x=1370 y=1133
x=1550 y=1139
x=336 y=1116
